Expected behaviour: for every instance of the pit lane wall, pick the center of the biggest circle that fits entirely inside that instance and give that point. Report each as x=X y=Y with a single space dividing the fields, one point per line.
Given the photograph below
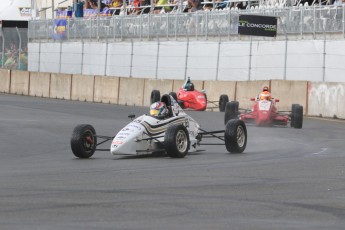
x=317 y=98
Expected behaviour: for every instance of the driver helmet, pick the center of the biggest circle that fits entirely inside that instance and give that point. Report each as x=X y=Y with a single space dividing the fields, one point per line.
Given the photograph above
x=190 y=86
x=159 y=109
x=265 y=89
x=265 y=96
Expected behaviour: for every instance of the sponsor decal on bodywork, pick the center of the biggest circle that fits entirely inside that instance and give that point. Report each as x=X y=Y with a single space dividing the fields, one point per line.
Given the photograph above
x=153 y=130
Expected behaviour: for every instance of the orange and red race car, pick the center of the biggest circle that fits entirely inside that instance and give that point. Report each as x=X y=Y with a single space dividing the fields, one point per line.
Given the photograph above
x=265 y=113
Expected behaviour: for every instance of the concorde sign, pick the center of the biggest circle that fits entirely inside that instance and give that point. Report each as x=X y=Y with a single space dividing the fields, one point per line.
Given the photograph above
x=257 y=25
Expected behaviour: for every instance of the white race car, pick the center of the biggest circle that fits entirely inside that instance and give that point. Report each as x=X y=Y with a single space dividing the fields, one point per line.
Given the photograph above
x=176 y=135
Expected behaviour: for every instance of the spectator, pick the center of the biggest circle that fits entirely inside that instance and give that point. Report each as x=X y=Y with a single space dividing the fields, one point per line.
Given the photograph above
x=161 y=6
x=116 y=4
x=93 y=4
x=69 y=12
x=147 y=6
x=79 y=12
x=195 y=5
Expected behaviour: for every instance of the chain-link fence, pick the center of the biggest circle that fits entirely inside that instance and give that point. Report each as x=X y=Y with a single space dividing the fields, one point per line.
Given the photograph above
x=14 y=48
x=301 y=21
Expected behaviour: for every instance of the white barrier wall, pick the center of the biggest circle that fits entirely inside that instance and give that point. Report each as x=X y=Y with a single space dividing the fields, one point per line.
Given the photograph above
x=71 y=57
x=94 y=58
x=172 y=60
x=144 y=60
x=49 y=58
x=326 y=99
x=34 y=56
x=268 y=60
x=119 y=59
x=309 y=60
x=305 y=60
x=202 y=60
x=335 y=61
x=234 y=61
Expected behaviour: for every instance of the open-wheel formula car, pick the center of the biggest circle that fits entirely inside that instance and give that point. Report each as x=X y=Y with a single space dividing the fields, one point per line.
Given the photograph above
x=192 y=99
x=176 y=135
x=265 y=113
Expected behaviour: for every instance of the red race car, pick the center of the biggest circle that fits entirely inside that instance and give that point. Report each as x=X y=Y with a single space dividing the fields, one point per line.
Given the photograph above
x=265 y=113
x=190 y=98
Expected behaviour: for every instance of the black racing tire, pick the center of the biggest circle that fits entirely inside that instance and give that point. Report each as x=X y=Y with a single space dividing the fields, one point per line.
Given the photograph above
x=83 y=141
x=235 y=136
x=292 y=116
x=155 y=96
x=231 y=111
x=223 y=99
x=174 y=95
x=298 y=117
x=176 y=141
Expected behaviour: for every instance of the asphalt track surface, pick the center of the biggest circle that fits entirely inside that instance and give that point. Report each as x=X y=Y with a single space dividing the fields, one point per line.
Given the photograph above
x=286 y=179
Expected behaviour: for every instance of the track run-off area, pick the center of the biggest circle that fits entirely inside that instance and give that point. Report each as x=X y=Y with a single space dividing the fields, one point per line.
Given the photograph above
x=286 y=179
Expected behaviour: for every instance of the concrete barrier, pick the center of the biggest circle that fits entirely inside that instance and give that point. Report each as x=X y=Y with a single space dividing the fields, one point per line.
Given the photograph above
x=60 y=86
x=247 y=89
x=39 y=84
x=326 y=99
x=131 y=91
x=164 y=86
x=82 y=87
x=20 y=82
x=106 y=89
x=290 y=92
x=5 y=80
x=216 y=88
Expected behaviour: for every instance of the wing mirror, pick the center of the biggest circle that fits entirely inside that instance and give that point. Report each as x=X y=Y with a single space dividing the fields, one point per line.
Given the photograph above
x=276 y=100
x=132 y=116
x=203 y=90
x=252 y=99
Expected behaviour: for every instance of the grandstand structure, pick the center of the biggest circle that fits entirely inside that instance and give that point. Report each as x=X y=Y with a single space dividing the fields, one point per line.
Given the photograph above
x=301 y=21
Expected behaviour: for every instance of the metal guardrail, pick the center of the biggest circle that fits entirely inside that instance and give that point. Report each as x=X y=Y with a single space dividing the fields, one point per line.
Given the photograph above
x=300 y=21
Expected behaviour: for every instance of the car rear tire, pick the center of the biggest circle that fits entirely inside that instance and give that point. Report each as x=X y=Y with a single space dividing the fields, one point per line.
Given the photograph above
x=231 y=111
x=176 y=141
x=223 y=99
x=155 y=96
x=83 y=141
x=292 y=120
x=235 y=136
x=298 y=117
